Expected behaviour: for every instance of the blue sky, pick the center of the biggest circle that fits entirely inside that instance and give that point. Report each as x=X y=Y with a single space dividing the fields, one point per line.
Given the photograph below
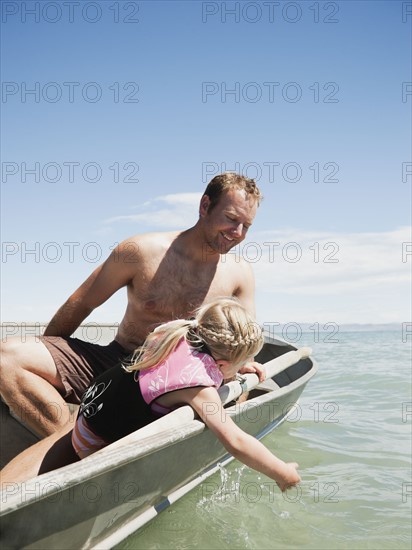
x=136 y=105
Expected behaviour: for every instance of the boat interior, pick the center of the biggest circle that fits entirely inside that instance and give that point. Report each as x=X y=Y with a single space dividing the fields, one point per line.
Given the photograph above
x=271 y=351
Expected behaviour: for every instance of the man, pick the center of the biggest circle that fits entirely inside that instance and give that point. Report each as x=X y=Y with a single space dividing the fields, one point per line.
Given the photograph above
x=167 y=275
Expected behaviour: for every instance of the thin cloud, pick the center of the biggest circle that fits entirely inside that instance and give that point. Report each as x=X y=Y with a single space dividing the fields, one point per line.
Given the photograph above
x=329 y=263
x=164 y=212
x=340 y=277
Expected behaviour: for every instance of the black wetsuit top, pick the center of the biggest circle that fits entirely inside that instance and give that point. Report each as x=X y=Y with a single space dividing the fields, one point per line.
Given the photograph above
x=113 y=405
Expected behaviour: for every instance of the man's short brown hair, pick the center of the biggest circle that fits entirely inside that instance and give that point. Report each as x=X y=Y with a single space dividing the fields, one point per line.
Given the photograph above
x=229 y=180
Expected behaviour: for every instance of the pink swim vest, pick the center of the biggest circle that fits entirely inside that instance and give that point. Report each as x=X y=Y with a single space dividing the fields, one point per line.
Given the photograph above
x=185 y=367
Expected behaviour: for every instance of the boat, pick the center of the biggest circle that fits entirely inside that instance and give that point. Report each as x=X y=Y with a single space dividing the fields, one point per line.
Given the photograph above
x=101 y=500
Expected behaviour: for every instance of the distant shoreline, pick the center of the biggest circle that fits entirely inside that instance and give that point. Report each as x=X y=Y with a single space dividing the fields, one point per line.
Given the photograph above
x=276 y=327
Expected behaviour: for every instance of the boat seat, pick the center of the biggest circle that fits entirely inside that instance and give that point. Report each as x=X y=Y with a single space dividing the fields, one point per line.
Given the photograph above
x=268 y=385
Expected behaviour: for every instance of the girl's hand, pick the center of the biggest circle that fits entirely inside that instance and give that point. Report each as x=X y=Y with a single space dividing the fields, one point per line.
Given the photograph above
x=288 y=477
x=255 y=368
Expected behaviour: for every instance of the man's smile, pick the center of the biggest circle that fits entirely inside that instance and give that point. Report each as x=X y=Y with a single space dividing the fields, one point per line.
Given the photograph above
x=226 y=236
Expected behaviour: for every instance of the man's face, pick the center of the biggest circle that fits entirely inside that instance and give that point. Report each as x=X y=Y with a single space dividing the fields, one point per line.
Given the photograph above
x=228 y=222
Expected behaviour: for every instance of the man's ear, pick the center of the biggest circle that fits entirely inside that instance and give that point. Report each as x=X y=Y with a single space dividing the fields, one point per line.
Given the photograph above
x=204 y=206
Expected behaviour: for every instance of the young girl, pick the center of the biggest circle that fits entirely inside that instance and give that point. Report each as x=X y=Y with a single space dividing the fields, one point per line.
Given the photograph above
x=181 y=362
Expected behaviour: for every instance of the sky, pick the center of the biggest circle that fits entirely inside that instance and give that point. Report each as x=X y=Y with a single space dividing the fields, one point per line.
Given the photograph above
x=115 y=115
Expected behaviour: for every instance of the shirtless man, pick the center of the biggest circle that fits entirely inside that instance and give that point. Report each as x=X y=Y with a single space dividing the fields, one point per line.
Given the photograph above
x=168 y=275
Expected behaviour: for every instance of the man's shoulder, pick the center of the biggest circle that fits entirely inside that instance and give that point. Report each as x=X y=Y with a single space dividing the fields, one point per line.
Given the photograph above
x=236 y=262
x=238 y=271
x=151 y=241
x=143 y=249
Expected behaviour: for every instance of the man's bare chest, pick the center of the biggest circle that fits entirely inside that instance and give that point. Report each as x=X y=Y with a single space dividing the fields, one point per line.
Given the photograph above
x=177 y=290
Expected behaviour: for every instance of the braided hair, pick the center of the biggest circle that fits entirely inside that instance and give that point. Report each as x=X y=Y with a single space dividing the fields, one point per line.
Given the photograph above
x=224 y=326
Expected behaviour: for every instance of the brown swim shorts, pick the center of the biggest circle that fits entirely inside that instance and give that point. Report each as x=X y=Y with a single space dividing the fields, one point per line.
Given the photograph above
x=78 y=362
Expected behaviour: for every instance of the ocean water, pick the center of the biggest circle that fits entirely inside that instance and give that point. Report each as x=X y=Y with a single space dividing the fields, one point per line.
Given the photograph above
x=350 y=434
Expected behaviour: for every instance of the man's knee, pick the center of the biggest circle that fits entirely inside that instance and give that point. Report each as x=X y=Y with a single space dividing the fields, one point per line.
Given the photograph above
x=12 y=353
x=24 y=365
x=31 y=355
x=7 y=360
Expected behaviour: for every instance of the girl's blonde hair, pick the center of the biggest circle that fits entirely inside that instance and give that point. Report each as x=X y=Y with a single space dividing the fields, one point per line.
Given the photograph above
x=224 y=325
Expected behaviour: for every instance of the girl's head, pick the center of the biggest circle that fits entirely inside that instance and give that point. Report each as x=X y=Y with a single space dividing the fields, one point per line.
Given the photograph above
x=230 y=333
x=224 y=326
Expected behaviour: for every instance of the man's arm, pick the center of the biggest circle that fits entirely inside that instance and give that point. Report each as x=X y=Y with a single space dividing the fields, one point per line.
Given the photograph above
x=246 y=295
x=245 y=291
x=116 y=272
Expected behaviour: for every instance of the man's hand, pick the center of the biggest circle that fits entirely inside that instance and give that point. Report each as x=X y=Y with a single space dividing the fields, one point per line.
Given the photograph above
x=255 y=368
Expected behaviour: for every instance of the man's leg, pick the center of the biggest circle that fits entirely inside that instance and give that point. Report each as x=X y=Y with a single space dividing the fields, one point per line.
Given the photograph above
x=30 y=384
x=49 y=453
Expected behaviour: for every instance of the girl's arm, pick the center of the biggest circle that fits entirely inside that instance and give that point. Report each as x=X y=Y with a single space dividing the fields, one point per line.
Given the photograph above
x=244 y=447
